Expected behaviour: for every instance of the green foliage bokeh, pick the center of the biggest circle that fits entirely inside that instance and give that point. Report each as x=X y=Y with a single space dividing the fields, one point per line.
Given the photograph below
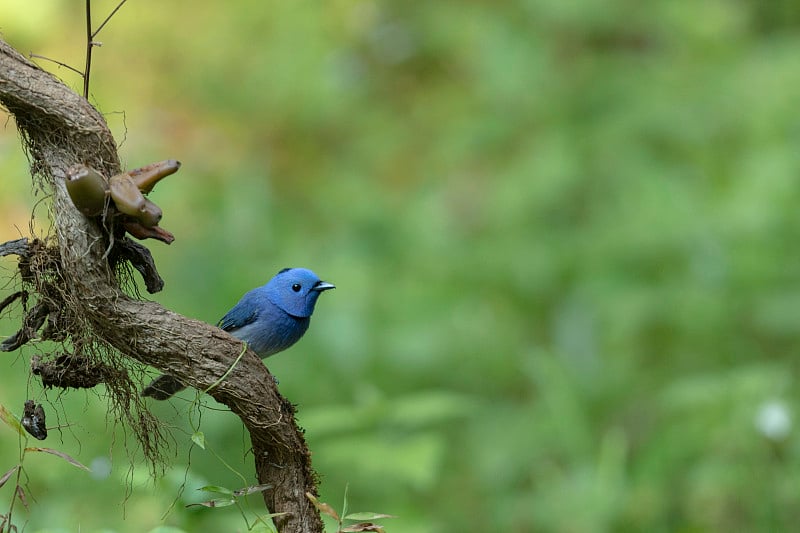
x=561 y=234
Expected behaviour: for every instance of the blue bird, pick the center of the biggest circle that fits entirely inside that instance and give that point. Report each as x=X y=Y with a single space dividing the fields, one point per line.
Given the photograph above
x=269 y=319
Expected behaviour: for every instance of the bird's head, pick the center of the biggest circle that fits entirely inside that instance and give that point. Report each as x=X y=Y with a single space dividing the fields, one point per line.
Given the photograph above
x=295 y=290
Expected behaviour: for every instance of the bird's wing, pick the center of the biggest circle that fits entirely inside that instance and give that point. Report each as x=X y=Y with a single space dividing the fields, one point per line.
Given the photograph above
x=238 y=317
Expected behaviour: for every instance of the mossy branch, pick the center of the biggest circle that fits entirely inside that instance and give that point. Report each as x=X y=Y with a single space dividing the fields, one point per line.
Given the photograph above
x=60 y=128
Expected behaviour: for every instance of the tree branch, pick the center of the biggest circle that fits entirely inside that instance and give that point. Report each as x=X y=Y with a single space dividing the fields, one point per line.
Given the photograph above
x=60 y=128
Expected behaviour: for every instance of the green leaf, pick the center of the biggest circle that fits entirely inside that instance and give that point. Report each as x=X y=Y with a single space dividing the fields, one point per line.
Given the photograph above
x=57 y=453
x=261 y=528
x=344 y=499
x=11 y=421
x=368 y=516
x=217 y=489
x=263 y=523
x=199 y=438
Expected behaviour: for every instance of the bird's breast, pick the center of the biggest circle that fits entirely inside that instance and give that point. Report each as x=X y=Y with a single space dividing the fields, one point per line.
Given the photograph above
x=272 y=333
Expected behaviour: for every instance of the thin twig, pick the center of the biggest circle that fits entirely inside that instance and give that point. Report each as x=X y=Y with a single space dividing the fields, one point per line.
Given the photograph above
x=90 y=42
x=89 y=46
x=230 y=369
x=108 y=18
x=59 y=63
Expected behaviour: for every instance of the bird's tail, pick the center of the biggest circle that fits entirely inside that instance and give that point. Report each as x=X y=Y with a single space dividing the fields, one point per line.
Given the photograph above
x=163 y=387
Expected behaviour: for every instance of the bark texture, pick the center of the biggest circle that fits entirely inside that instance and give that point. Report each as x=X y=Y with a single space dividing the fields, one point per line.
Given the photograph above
x=60 y=128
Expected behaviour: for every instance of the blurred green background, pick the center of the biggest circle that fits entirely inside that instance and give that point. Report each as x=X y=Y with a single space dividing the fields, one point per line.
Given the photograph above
x=563 y=235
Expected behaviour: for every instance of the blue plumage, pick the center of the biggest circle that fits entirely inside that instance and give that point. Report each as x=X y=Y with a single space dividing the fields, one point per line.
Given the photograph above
x=269 y=319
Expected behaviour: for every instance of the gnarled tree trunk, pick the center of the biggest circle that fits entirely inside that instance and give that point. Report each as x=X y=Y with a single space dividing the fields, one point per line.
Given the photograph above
x=60 y=128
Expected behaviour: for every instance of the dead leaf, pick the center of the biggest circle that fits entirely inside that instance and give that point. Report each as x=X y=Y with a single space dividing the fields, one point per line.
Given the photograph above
x=57 y=453
x=213 y=503
x=368 y=516
x=21 y=495
x=363 y=526
x=251 y=489
x=5 y=477
x=323 y=507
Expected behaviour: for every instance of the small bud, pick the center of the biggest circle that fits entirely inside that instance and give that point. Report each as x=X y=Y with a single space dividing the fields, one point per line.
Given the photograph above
x=87 y=188
x=126 y=195
x=135 y=228
x=150 y=214
x=147 y=176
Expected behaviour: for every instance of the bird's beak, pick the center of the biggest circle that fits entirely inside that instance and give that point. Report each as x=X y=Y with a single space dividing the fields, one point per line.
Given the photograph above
x=322 y=286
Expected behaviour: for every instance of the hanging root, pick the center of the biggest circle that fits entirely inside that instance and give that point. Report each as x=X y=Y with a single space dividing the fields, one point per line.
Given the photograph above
x=73 y=371
x=83 y=360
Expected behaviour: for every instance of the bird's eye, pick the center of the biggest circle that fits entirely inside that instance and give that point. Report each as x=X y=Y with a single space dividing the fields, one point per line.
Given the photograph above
x=296 y=287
